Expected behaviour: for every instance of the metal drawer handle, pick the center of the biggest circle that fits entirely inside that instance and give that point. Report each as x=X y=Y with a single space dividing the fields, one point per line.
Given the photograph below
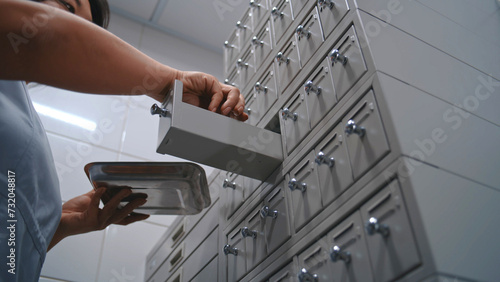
x=276 y=13
x=351 y=127
x=373 y=226
x=335 y=56
x=254 y=4
x=241 y=64
x=337 y=254
x=228 y=45
x=248 y=111
x=256 y=41
x=305 y=276
x=310 y=87
x=226 y=81
x=285 y=113
x=228 y=250
x=258 y=87
x=301 y=31
x=322 y=159
x=266 y=212
x=229 y=184
x=293 y=185
x=157 y=110
x=240 y=25
x=326 y=3
x=245 y=232
x=280 y=58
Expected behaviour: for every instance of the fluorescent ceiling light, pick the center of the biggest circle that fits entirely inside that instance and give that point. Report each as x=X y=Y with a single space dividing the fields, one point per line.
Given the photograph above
x=66 y=117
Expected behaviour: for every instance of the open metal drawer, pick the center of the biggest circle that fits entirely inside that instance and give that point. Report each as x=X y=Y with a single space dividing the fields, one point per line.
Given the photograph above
x=201 y=136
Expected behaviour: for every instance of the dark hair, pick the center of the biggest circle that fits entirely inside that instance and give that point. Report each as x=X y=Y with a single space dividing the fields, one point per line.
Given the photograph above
x=100 y=12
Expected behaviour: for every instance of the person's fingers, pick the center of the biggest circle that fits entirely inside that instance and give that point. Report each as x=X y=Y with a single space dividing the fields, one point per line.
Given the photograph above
x=96 y=197
x=126 y=210
x=110 y=207
x=133 y=218
x=215 y=91
x=232 y=103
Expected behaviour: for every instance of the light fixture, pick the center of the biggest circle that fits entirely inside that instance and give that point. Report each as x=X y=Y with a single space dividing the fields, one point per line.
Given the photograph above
x=65 y=117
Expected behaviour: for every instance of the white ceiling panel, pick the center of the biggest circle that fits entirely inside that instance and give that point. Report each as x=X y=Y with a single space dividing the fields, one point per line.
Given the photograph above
x=143 y=8
x=208 y=22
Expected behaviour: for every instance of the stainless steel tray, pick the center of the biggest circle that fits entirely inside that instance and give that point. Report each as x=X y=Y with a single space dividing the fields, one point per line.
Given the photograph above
x=175 y=188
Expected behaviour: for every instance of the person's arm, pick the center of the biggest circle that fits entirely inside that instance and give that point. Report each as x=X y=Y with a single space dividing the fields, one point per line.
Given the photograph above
x=46 y=45
x=82 y=214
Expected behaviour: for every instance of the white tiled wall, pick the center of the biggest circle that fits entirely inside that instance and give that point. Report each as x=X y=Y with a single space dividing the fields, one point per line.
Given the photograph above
x=124 y=131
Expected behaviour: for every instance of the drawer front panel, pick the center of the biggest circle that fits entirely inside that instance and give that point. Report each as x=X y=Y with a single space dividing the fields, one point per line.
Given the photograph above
x=281 y=18
x=295 y=122
x=320 y=96
x=309 y=37
x=305 y=196
x=333 y=166
x=245 y=28
x=389 y=235
x=365 y=135
x=246 y=67
x=236 y=257
x=251 y=108
x=255 y=244
x=286 y=274
x=287 y=64
x=262 y=45
x=349 y=258
x=266 y=90
x=347 y=61
x=231 y=50
x=232 y=194
x=331 y=14
x=314 y=262
x=259 y=10
x=277 y=229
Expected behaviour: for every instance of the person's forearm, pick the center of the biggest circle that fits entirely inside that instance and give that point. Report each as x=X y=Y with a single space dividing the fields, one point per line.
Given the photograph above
x=42 y=44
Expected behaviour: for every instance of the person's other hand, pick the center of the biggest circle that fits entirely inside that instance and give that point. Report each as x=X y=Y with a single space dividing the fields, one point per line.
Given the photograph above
x=204 y=90
x=82 y=214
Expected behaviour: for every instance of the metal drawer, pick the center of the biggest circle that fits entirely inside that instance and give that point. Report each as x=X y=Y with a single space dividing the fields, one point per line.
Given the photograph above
x=286 y=274
x=320 y=96
x=331 y=13
x=304 y=191
x=389 y=234
x=298 y=5
x=281 y=18
x=252 y=231
x=309 y=37
x=204 y=253
x=245 y=28
x=266 y=90
x=294 y=121
x=251 y=108
x=333 y=166
x=314 y=262
x=232 y=78
x=348 y=63
x=275 y=212
x=232 y=194
x=365 y=135
x=231 y=50
x=262 y=44
x=260 y=10
x=236 y=255
x=246 y=67
x=287 y=64
x=208 y=273
x=349 y=258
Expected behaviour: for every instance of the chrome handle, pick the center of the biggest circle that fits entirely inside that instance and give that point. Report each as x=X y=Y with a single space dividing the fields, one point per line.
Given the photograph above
x=228 y=250
x=256 y=41
x=241 y=64
x=258 y=87
x=322 y=159
x=248 y=111
x=254 y=4
x=351 y=127
x=301 y=31
x=229 y=184
x=373 y=226
x=293 y=185
x=335 y=56
x=326 y=3
x=310 y=87
x=285 y=113
x=226 y=81
x=276 y=13
x=265 y=212
x=337 y=254
x=245 y=232
x=157 y=110
x=240 y=25
x=305 y=276
x=228 y=45
x=280 y=58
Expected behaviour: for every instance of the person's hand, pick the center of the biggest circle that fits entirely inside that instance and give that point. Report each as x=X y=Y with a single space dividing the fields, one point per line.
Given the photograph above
x=82 y=214
x=204 y=90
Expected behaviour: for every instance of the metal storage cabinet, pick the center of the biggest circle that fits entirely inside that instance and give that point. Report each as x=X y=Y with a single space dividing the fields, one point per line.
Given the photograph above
x=387 y=112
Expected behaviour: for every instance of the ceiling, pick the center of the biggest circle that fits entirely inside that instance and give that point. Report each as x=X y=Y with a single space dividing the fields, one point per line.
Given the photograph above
x=204 y=23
